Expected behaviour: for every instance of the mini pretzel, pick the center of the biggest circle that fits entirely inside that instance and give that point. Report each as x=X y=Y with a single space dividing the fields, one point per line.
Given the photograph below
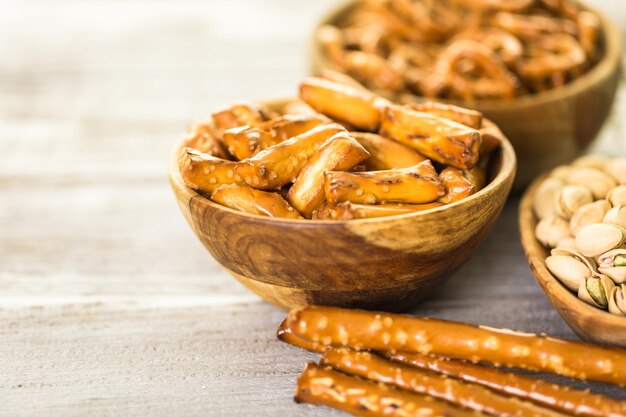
x=558 y=397
x=440 y=139
x=533 y=26
x=280 y=164
x=322 y=386
x=373 y=68
x=469 y=396
x=563 y=53
x=340 y=152
x=434 y=22
x=356 y=107
x=391 y=332
x=245 y=198
x=414 y=185
x=506 y=5
x=203 y=137
x=456 y=184
x=508 y=47
x=205 y=173
x=467 y=117
x=351 y=211
x=588 y=32
x=386 y=153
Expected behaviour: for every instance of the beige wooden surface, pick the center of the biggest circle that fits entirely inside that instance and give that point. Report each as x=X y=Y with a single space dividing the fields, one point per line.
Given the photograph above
x=108 y=303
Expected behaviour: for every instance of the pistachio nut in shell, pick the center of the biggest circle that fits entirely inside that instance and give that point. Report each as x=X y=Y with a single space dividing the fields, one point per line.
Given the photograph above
x=599 y=182
x=544 y=202
x=592 y=161
x=617 y=300
x=571 y=198
x=595 y=239
x=596 y=291
x=551 y=230
x=613 y=265
x=589 y=262
x=616 y=216
x=569 y=270
x=617 y=196
x=617 y=169
x=567 y=243
x=590 y=213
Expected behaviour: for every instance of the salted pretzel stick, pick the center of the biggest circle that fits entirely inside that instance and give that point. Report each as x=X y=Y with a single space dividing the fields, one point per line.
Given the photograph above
x=470 y=396
x=467 y=117
x=350 y=211
x=237 y=115
x=440 y=139
x=456 y=184
x=245 y=198
x=205 y=173
x=340 y=78
x=392 y=332
x=322 y=386
x=386 y=153
x=558 y=397
x=246 y=141
x=477 y=176
x=340 y=152
x=280 y=164
x=355 y=106
x=414 y=185
x=284 y=334
x=203 y=137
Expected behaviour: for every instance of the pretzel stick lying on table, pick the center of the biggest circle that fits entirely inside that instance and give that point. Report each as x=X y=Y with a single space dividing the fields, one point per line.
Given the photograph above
x=322 y=386
x=558 y=397
x=475 y=397
x=397 y=333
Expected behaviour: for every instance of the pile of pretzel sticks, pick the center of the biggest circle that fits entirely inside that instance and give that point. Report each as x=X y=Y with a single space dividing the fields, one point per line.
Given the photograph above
x=380 y=364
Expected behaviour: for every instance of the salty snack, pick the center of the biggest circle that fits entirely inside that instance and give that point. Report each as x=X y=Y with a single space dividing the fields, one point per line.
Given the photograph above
x=581 y=213
x=463 y=49
x=360 y=157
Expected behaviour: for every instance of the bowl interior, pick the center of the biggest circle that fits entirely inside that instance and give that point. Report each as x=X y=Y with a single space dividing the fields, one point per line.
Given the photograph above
x=588 y=322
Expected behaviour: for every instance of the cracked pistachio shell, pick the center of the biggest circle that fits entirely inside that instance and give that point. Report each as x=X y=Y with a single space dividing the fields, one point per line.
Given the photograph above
x=613 y=265
x=571 y=198
x=544 y=203
x=617 y=196
x=592 y=161
x=551 y=230
x=595 y=239
x=598 y=182
x=567 y=243
x=616 y=216
x=590 y=213
x=596 y=291
x=617 y=169
x=561 y=172
x=569 y=270
x=617 y=300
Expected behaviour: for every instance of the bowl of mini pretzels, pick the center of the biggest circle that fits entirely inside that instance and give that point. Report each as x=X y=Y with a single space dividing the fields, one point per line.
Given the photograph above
x=342 y=197
x=544 y=71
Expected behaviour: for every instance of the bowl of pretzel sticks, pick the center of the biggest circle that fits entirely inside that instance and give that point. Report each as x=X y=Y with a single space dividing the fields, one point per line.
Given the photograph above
x=545 y=71
x=380 y=364
x=341 y=197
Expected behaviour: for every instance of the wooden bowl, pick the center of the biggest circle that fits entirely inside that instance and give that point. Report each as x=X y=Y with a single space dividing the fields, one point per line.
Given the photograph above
x=384 y=263
x=588 y=322
x=546 y=129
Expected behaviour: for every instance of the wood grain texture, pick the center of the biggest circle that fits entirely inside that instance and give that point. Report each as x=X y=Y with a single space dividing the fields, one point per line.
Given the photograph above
x=546 y=129
x=588 y=322
x=109 y=305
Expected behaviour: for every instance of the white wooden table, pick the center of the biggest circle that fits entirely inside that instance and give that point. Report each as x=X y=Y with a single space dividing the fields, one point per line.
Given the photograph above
x=108 y=303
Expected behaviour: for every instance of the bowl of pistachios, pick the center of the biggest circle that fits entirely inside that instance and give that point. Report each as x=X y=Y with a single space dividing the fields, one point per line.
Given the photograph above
x=573 y=227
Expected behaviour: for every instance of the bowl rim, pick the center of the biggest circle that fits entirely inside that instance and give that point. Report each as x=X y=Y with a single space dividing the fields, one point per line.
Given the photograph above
x=611 y=58
x=506 y=173
x=548 y=282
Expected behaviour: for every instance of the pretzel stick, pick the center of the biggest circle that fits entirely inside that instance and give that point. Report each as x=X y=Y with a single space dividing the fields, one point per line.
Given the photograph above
x=492 y=138
x=203 y=137
x=475 y=397
x=392 y=332
x=322 y=386
x=205 y=173
x=386 y=153
x=558 y=397
x=237 y=115
x=467 y=117
x=284 y=334
x=245 y=198
x=440 y=139
x=456 y=184
x=350 y=211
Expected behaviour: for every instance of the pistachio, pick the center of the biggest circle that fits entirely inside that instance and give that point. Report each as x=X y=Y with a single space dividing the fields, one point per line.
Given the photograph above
x=567 y=243
x=571 y=198
x=569 y=270
x=551 y=230
x=596 y=291
x=617 y=300
x=598 y=182
x=544 y=203
x=590 y=213
x=617 y=169
x=617 y=196
x=617 y=216
x=595 y=239
x=592 y=161
x=613 y=265
x=589 y=262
